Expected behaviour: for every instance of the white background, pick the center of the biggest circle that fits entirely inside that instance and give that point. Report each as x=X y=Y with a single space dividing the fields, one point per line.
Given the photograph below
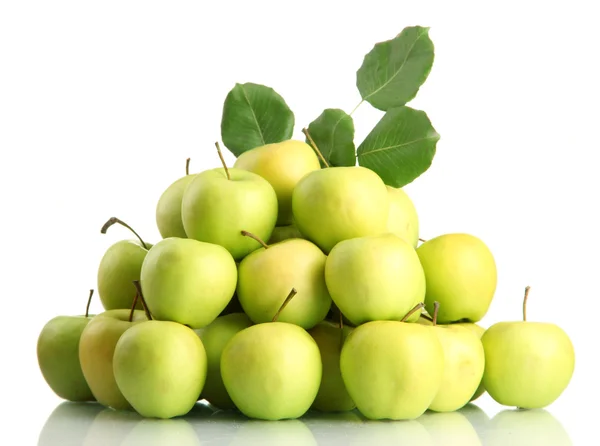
x=102 y=102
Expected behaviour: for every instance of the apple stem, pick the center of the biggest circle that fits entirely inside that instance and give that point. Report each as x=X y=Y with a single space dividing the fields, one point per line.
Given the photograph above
x=222 y=159
x=410 y=313
x=138 y=287
x=87 y=307
x=422 y=240
x=314 y=146
x=527 y=288
x=255 y=237
x=284 y=304
x=187 y=166
x=436 y=308
x=426 y=317
x=135 y=299
x=112 y=220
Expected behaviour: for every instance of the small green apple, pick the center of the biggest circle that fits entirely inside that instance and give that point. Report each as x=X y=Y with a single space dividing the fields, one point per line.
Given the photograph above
x=332 y=395
x=119 y=267
x=339 y=203
x=464 y=362
x=282 y=164
x=160 y=367
x=281 y=233
x=461 y=275
x=272 y=371
x=392 y=369
x=219 y=203
x=215 y=337
x=168 y=208
x=58 y=356
x=187 y=281
x=268 y=273
x=96 y=350
x=403 y=220
x=375 y=278
x=527 y=364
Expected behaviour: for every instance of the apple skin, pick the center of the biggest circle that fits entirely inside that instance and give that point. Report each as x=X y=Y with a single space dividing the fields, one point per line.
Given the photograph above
x=96 y=350
x=187 y=281
x=527 y=364
x=293 y=263
x=464 y=362
x=160 y=367
x=272 y=371
x=478 y=330
x=339 y=203
x=215 y=337
x=375 y=278
x=168 y=209
x=281 y=233
x=58 y=357
x=376 y=361
x=282 y=164
x=403 y=220
x=119 y=267
x=216 y=209
x=332 y=395
x=461 y=275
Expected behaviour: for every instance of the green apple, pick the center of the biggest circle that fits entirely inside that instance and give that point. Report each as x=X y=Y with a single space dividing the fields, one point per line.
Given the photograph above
x=119 y=267
x=272 y=371
x=450 y=428
x=376 y=277
x=339 y=203
x=332 y=395
x=527 y=364
x=392 y=369
x=215 y=337
x=160 y=367
x=478 y=330
x=526 y=428
x=281 y=233
x=464 y=362
x=187 y=281
x=168 y=208
x=58 y=356
x=282 y=164
x=96 y=350
x=68 y=424
x=219 y=203
x=268 y=273
x=403 y=219
x=461 y=275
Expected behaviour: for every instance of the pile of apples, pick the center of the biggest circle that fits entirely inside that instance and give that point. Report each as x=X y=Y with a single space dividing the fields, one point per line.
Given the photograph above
x=281 y=286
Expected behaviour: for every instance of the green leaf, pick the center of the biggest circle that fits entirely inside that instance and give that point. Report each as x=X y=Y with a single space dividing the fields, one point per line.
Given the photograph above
x=394 y=70
x=400 y=147
x=254 y=115
x=333 y=133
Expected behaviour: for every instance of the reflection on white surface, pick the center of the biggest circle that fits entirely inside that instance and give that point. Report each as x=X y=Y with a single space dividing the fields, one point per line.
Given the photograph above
x=90 y=425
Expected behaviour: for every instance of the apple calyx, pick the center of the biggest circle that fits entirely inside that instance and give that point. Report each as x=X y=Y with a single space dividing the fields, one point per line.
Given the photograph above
x=412 y=311
x=314 y=146
x=255 y=237
x=140 y=296
x=87 y=307
x=187 y=167
x=112 y=220
x=135 y=299
x=527 y=288
x=284 y=304
x=222 y=159
x=436 y=308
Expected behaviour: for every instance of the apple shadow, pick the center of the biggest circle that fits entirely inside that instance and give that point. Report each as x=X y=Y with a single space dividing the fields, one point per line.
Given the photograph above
x=519 y=427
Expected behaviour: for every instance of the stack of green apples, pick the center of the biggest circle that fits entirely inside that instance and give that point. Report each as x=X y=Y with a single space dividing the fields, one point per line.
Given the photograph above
x=281 y=286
